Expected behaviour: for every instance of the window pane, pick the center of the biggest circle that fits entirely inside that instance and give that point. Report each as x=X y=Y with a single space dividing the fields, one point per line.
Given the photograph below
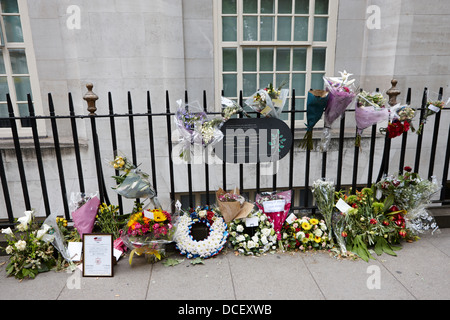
x=283 y=59
x=317 y=81
x=320 y=29
x=250 y=28
x=284 y=6
x=318 y=59
x=18 y=61
x=301 y=29
x=3 y=88
x=23 y=112
x=299 y=60
x=249 y=83
x=321 y=7
x=301 y=6
x=2 y=63
x=287 y=106
x=250 y=6
x=229 y=29
x=10 y=6
x=267 y=6
x=284 y=29
x=4 y=123
x=267 y=27
x=13 y=28
x=229 y=6
x=23 y=87
x=265 y=79
x=299 y=83
x=280 y=78
x=266 y=59
x=249 y=59
x=299 y=105
x=229 y=85
x=229 y=59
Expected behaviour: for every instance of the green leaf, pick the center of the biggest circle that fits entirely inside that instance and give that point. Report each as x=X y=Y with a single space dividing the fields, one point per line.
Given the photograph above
x=197 y=261
x=172 y=262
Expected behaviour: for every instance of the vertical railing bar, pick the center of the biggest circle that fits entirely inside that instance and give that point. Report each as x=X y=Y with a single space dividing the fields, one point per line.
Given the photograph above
x=437 y=120
x=169 y=143
x=224 y=167
x=445 y=171
x=241 y=166
x=152 y=141
x=5 y=188
x=340 y=152
x=307 y=167
x=189 y=165
x=112 y=125
x=58 y=156
x=206 y=156
x=384 y=168
x=15 y=134
x=420 y=136
x=371 y=154
x=291 y=156
x=37 y=149
x=132 y=133
x=258 y=167
x=76 y=144
x=404 y=138
x=355 y=168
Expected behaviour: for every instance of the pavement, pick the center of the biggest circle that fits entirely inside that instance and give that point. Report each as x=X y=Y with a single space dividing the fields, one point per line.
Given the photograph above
x=420 y=271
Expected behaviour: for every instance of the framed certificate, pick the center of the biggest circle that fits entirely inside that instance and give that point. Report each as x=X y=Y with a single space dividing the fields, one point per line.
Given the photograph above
x=97 y=255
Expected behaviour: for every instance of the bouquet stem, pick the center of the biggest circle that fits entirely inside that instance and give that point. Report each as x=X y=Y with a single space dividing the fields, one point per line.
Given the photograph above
x=307 y=142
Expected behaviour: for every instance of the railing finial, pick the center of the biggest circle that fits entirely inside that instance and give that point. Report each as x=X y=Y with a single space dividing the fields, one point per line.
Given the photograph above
x=393 y=92
x=90 y=97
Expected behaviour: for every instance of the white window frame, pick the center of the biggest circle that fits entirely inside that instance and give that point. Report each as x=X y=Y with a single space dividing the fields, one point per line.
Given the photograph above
x=329 y=44
x=32 y=73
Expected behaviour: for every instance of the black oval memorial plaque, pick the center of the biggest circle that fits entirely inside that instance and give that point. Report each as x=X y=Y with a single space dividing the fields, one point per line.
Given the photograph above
x=254 y=140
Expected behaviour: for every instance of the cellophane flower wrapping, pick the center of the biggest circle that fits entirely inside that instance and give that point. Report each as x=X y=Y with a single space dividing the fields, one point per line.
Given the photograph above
x=315 y=106
x=148 y=232
x=341 y=93
x=323 y=191
x=412 y=194
x=58 y=241
x=369 y=110
x=232 y=205
x=276 y=206
x=84 y=208
x=133 y=183
x=435 y=103
x=196 y=128
x=269 y=101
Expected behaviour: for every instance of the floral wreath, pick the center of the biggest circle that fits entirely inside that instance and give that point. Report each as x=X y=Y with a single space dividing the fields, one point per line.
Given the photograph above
x=262 y=239
x=208 y=247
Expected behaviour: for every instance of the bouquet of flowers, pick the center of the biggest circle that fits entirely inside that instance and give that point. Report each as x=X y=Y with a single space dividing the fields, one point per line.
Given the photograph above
x=341 y=94
x=306 y=234
x=252 y=235
x=230 y=108
x=269 y=101
x=323 y=191
x=276 y=206
x=203 y=248
x=29 y=247
x=232 y=205
x=133 y=182
x=147 y=232
x=400 y=120
x=412 y=194
x=84 y=209
x=432 y=107
x=196 y=128
x=315 y=106
x=371 y=223
x=370 y=110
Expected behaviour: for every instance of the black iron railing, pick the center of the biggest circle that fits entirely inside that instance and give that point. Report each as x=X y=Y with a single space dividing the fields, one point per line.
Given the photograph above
x=374 y=172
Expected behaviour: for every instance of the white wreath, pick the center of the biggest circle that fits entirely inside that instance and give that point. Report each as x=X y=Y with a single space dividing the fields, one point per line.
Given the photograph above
x=205 y=248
